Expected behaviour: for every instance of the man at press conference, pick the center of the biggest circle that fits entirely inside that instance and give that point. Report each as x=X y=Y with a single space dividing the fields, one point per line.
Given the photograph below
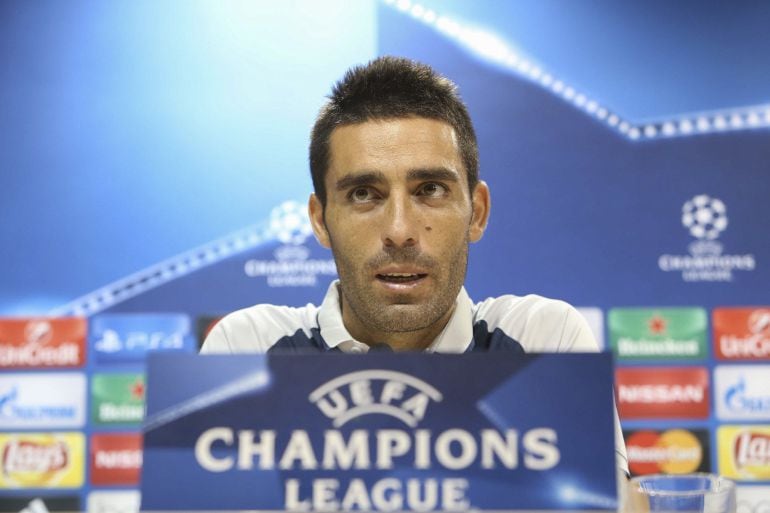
x=398 y=200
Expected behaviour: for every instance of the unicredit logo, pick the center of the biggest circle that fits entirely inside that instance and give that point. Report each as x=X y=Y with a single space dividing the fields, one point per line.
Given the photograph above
x=42 y=342
x=759 y=322
x=742 y=333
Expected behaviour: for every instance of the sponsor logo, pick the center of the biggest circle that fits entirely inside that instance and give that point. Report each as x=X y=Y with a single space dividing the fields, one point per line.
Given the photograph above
x=743 y=392
x=752 y=499
x=116 y=459
x=658 y=333
x=742 y=333
x=42 y=400
x=113 y=501
x=376 y=392
x=42 y=342
x=41 y=460
x=291 y=265
x=744 y=452
x=675 y=451
x=705 y=218
x=127 y=337
x=117 y=398
x=662 y=392
x=31 y=504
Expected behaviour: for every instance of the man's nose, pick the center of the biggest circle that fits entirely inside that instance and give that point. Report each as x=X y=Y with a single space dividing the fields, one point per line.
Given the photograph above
x=400 y=226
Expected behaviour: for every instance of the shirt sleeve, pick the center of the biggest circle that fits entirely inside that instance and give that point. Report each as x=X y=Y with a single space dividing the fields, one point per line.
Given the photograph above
x=216 y=341
x=577 y=336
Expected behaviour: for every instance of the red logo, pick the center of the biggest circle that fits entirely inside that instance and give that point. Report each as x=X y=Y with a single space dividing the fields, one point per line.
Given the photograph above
x=116 y=459
x=742 y=333
x=657 y=325
x=44 y=342
x=26 y=456
x=676 y=451
x=662 y=392
x=751 y=450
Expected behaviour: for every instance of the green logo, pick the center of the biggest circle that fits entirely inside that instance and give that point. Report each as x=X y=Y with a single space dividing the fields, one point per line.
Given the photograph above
x=117 y=398
x=658 y=333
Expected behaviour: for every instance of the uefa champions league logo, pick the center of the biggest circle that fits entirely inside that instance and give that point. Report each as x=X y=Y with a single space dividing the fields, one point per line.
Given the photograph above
x=705 y=218
x=289 y=223
x=292 y=266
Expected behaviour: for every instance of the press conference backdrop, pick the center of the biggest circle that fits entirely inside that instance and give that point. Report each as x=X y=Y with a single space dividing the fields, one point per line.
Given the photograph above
x=154 y=177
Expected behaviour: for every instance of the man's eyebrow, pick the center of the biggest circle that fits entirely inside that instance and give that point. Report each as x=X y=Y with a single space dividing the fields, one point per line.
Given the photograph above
x=359 y=179
x=436 y=173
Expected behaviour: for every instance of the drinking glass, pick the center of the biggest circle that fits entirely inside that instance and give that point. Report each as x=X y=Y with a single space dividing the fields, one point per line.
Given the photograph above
x=693 y=493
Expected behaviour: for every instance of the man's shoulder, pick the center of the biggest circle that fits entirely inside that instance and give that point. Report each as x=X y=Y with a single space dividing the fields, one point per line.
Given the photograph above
x=259 y=327
x=537 y=323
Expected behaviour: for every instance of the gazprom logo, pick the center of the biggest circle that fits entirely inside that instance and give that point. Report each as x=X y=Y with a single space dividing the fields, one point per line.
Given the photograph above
x=375 y=391
x=743 y=392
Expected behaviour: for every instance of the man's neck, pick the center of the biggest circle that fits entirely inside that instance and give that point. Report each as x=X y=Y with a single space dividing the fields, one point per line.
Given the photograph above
x=417 y=340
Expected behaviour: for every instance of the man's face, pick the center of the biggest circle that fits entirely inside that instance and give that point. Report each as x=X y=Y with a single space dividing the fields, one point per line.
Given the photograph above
x=398 y=218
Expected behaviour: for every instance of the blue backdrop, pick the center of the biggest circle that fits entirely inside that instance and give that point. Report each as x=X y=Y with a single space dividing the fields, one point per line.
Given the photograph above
x=153 y=155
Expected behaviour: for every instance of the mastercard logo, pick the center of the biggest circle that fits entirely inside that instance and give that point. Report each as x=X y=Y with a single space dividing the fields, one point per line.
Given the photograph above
x=676 y=451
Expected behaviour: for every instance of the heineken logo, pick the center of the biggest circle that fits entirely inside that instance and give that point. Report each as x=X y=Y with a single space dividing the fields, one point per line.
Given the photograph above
x=117 y=398
x=659 y=333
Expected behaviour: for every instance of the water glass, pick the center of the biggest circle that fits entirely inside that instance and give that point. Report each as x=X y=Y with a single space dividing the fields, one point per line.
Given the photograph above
x=692 y=493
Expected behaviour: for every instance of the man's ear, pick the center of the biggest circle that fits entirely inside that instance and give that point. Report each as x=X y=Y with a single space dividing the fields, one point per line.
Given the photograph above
x=480 y=204
x=316 y=212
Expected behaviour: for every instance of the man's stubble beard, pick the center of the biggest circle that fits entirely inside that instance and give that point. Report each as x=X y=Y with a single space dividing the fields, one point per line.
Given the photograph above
x=395 y=318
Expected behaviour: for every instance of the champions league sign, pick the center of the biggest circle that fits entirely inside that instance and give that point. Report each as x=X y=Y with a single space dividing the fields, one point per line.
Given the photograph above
x=379 y=432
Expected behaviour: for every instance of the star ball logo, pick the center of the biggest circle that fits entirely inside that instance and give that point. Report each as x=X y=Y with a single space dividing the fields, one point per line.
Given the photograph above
x=705 y=218
x=291 y=265
x=376 y=393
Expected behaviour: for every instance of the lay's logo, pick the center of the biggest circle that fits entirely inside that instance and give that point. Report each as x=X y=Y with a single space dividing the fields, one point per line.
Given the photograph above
x=744 y=452
x=41 y=460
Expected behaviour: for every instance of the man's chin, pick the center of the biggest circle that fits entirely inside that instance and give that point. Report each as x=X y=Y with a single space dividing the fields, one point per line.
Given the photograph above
x=402 y=318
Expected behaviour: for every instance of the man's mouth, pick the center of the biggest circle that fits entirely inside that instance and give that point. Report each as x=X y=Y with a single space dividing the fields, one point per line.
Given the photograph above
x=400 y=277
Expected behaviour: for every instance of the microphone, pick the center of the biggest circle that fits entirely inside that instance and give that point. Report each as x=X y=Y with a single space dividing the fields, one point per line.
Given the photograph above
x=380 y=347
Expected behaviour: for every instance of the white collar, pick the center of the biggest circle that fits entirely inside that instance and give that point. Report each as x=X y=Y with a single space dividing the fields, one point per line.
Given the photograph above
x=454 y=338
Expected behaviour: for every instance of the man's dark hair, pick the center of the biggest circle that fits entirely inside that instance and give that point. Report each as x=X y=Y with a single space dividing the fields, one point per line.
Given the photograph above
x=391 y=88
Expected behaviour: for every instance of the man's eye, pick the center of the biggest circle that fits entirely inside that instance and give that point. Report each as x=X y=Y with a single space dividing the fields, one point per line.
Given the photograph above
x=361 y=194
x=433 y=190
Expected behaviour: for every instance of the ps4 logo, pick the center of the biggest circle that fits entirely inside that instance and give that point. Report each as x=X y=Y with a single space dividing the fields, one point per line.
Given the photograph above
x=112 y=342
